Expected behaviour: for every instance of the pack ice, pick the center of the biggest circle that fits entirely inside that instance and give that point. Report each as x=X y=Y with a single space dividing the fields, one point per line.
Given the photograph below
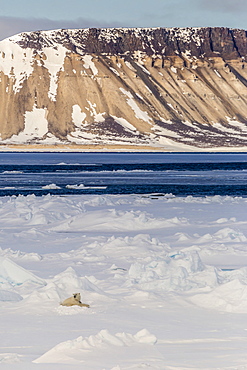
x=165 y=277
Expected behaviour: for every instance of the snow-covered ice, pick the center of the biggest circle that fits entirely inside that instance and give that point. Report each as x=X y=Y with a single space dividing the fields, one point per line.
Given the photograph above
x=165 y=277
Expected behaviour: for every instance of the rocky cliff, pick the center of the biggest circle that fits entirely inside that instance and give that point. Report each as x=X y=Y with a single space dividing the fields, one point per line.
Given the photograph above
x=161 y=87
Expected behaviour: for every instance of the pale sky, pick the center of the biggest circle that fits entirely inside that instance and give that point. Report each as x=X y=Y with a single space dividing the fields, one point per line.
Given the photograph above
x=29 y=15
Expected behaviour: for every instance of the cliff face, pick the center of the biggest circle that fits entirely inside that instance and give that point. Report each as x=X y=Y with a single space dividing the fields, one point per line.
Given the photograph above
x=125 y=86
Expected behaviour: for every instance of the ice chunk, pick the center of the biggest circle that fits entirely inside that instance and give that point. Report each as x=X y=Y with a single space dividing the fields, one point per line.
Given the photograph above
x=181 y=272
x=16 y=275
x=143 y=336
x=9 y=358
x=7 y=296
x=51 y=186
x=228 y=297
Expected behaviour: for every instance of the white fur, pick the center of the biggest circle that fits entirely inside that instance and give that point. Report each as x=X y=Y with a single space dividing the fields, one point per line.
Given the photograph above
x=75 y=300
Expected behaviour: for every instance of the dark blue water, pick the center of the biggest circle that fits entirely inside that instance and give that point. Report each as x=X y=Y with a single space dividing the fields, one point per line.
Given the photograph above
x=181 y=174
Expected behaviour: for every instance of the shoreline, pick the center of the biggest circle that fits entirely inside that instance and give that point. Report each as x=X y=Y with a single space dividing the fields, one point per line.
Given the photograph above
x=113 y=148
x=79 y=148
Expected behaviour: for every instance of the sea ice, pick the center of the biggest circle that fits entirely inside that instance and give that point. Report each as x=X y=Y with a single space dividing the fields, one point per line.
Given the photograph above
x=104 y=340
x=174 y=266
x=15 y=275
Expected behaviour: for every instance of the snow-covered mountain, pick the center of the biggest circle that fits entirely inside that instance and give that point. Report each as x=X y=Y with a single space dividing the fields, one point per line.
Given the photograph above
x=159 y=87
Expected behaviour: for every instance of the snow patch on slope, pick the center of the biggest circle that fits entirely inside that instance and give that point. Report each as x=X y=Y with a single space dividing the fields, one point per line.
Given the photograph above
x=78 y=116
x=15 y=62
x=126 y=125
x=36 y=126
x=138 y=112
x=89 y=64
x=98 y=117
x=54 y=63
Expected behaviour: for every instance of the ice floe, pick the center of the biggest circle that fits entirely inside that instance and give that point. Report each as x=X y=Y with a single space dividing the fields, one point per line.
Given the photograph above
x=175 y=266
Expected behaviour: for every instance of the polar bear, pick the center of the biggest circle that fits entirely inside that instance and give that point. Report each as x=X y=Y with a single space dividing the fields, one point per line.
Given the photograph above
x=75 y=300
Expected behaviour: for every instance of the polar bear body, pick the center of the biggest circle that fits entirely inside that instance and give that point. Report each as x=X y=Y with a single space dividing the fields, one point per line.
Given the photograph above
x=75 y=300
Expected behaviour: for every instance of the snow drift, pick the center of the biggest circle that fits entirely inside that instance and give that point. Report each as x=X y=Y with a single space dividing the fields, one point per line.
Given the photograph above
x=102 y=342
